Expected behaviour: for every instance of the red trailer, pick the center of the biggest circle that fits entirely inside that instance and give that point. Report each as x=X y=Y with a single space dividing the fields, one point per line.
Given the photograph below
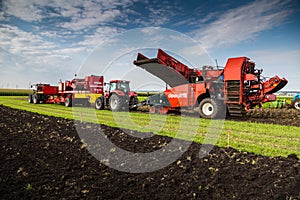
x=81 y=91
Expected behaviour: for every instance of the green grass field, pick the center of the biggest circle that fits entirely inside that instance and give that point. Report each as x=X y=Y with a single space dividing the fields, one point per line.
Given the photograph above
x=264 y=139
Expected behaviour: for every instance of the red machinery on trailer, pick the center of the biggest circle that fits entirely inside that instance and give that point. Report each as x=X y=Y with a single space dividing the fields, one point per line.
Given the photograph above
x=86 y=91
x=234 y=89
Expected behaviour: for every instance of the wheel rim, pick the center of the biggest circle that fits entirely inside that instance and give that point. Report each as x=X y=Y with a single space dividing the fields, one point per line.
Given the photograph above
x=98 y=104
x=207 y=109
x=113 y=103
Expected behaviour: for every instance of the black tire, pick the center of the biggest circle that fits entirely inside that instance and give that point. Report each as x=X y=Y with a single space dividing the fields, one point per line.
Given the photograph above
x=296 y=104
x=212 y=109
x=30 y=98
x=35 y=99
x=99 y=104
x=117 y=103
x=68 y=102
x=133 y=101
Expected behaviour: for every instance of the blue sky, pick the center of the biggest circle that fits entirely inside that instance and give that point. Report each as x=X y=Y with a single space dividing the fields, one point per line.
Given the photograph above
x=48 y=40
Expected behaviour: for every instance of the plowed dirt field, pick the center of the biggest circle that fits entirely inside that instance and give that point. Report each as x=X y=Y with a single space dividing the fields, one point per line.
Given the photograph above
x=42 y=157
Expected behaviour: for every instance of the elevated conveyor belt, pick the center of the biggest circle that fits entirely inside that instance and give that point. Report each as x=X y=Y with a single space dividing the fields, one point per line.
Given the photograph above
x=164 y=72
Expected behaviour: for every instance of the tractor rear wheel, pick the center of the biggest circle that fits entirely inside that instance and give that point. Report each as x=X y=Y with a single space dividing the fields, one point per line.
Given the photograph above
x=99 y=104
x=35 y=99
x=117 y=103
x=212 y=109
x=68 y=102
x=297 y=104
x=30 y=98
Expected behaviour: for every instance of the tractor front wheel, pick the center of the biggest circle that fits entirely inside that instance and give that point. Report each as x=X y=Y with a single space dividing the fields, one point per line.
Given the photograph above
x=297 y=104
x=117 y=103
x=212 y=109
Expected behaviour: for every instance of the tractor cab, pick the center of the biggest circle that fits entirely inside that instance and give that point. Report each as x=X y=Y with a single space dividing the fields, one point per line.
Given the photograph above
x=119 y=85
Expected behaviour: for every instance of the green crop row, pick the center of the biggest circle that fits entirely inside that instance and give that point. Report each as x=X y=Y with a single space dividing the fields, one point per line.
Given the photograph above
x=26 y=92
x=264 y=139
x=281 y=102
x=146 y=94
x=15 y=92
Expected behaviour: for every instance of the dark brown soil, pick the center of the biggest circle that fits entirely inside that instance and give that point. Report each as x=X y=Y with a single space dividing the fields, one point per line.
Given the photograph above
x=43 y=158
x=284 y=116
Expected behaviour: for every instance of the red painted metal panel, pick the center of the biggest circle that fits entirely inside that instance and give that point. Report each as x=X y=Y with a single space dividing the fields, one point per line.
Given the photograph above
x=50 y=90
x=233 y=68
x=96 y=84
x=168 y=60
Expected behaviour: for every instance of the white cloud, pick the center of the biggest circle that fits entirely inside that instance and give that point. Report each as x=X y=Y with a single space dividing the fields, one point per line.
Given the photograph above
x=78 y=14
x=25 y=10
x=159 y=13
x=100 y=35
x=21 y=42
x=2 y=18
x=243 y=23
x=31 y=51
x=95 y=17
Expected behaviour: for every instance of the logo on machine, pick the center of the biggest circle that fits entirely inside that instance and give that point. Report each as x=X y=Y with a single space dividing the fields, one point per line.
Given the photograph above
x=97 y=83
x=177 y=96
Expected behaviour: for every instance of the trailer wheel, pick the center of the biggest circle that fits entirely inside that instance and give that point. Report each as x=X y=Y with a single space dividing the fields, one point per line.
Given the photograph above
x=297 y=104
x=30 y=98
x=212 y=109
x=117 y=103
x=99 y=104
x=35 y=99
x=68 y=102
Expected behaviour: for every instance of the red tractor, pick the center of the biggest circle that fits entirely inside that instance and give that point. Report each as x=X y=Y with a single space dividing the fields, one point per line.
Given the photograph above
x=234 y=89
x=118 y=97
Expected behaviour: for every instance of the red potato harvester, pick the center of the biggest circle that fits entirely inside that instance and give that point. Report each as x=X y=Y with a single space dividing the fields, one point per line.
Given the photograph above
x=214 y=92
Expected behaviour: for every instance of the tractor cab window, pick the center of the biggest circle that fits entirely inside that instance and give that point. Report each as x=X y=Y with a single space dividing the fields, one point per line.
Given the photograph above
x=123 y=86
x=112 y=86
